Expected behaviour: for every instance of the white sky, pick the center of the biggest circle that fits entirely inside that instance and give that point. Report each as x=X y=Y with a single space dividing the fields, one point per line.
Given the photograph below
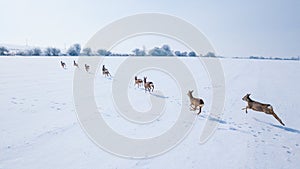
x=235 y=28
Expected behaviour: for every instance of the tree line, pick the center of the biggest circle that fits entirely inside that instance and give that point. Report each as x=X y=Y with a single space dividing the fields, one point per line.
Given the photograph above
x=76 y=50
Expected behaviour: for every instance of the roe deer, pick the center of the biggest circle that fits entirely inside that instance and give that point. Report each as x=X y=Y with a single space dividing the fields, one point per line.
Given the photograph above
x=63 y=64
x=87 y=67
x=148 y=85
x=196 y=102
x=105 y=71
x=75 y=64
x=254 y=105
x=137 y=81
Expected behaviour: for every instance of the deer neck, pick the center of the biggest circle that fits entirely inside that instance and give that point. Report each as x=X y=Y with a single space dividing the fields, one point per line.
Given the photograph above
x=249 y=100
x=191 y=96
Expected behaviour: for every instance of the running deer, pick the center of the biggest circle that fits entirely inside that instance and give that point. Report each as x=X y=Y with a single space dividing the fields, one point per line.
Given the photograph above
x=148 y=85
x=254 y=105
x=75 y=64
x=87 y=67
x=137 y=81
x=196 y=102
x=105 y=71
x=63 y=64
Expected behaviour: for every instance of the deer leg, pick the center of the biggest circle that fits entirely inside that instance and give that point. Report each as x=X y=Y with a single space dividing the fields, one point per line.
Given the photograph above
x=246 y=108
x=191 y=107
x=199 y=110
x=278 y=119
x=195 y=107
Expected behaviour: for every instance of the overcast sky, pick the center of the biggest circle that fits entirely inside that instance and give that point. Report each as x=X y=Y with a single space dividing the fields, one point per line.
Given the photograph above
x=235 y=28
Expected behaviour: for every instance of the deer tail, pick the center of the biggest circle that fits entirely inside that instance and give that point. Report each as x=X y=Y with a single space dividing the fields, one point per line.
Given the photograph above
x=271 y=108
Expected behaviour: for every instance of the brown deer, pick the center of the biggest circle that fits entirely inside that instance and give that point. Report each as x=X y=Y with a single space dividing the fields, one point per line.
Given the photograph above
x=87 y=67
x=137 y=81
x=105 y=71
x=63 y=64
x=196 y=102
x=254 y=105
x=75 y=64
x=148 y=85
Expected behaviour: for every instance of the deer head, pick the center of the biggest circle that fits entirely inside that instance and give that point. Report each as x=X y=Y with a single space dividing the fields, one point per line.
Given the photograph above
x=246 y=97
x=190 y=93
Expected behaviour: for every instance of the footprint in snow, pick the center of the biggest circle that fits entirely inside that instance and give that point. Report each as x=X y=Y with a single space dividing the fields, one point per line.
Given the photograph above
x=277 y=135
x=233 y=129
x=285 y=147
x=14 y=102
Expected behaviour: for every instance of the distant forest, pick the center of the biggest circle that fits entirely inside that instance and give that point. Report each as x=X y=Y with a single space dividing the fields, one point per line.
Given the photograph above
x=76 y=50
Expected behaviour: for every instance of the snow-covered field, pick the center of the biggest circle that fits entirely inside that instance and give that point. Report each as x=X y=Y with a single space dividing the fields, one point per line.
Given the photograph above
x=39 y=126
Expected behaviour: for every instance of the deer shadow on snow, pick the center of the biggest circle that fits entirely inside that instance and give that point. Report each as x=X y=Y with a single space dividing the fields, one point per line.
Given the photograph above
x=278 y=126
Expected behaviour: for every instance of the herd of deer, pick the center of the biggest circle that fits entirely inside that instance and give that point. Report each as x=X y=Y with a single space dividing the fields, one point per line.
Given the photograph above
x=195 y=103
x=105 y=71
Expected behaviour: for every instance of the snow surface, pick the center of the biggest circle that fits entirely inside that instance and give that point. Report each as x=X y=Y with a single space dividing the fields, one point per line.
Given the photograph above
x=39 y=126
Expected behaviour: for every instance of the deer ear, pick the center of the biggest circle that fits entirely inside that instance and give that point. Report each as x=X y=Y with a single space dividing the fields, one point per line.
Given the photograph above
x=192 y=90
